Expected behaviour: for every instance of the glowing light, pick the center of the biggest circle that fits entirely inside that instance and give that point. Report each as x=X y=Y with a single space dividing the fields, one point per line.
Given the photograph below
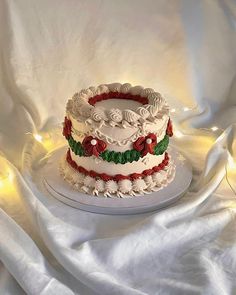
x=231 y=162
x=173 y=110
x=214 y=128
x=47 y=141
x=10 y=176
x=4 y=175
x=38 y=137
x=6 y=179
x=186 y=109
x=178 y=134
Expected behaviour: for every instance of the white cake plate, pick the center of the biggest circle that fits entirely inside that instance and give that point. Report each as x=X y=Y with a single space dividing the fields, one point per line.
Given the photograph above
x=62 y=191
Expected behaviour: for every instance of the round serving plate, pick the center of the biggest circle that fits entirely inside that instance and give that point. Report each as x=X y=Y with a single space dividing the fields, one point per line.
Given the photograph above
x=62 y=191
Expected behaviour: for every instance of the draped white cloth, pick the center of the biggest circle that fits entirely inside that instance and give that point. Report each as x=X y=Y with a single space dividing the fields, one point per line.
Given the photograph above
x=185 y=50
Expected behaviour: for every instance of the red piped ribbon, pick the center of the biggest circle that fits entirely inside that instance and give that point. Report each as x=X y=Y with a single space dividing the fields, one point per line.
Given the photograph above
x=169 y=129
x=112 y=95
x=142 y=144
x=93 y=149
x=67 y=128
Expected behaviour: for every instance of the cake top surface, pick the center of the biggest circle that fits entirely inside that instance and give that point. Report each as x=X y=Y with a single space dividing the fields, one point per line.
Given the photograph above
x=117 y=105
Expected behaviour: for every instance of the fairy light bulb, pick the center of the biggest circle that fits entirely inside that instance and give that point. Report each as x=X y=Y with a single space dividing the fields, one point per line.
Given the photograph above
x=38 y=137
x=5 y=178
x=214 y=128
x=178 y=134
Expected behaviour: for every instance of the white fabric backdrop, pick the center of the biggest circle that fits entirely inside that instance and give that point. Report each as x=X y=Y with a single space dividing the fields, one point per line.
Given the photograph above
x=184 y=49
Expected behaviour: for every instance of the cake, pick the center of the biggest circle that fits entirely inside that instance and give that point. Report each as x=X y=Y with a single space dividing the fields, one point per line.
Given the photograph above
x=117 y=137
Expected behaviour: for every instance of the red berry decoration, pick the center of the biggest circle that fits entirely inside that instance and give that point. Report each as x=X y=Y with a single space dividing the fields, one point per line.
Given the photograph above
x=93 y=146
x=67 y=128
x=145 y=144
x=169 y=130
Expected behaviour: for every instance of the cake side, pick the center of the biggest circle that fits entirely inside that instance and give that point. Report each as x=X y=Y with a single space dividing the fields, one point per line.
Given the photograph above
x=117 y=151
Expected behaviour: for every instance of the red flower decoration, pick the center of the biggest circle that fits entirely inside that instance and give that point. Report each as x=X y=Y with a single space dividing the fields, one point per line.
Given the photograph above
x=145 y=144
x=169 y=130
x=67 y=128
x=93 y=146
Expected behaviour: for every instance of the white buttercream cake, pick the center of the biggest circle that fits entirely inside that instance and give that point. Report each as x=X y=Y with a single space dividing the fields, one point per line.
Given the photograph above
x=118 y=137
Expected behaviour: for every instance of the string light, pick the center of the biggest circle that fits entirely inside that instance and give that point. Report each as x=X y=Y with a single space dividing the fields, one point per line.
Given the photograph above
x=38 y=137
x=178 y=134
x=214 y=128
x=186 y=109
x=5 y=178
x=48 y=141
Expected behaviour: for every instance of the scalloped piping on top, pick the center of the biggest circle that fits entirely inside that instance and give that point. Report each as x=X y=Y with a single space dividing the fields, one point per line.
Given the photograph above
x=83 y=107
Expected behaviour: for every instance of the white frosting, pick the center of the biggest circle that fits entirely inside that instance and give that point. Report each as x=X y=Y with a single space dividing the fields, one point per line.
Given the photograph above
x=125 y=88
x=111 y=186
x=115 y=115
x=136 y=90
x=117 y=103
x=99 y=114
x=145 y=92
x=99 y=186
x=143 y=112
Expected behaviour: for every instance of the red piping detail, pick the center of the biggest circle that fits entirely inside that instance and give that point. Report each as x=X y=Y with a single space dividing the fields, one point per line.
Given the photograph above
x=169 y=129
x=67 y=128
x=117 y=177
x=110 y=95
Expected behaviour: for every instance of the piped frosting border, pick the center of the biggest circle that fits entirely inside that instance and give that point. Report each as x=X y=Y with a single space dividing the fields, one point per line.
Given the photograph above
x=118 y=187
x=82 y=106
